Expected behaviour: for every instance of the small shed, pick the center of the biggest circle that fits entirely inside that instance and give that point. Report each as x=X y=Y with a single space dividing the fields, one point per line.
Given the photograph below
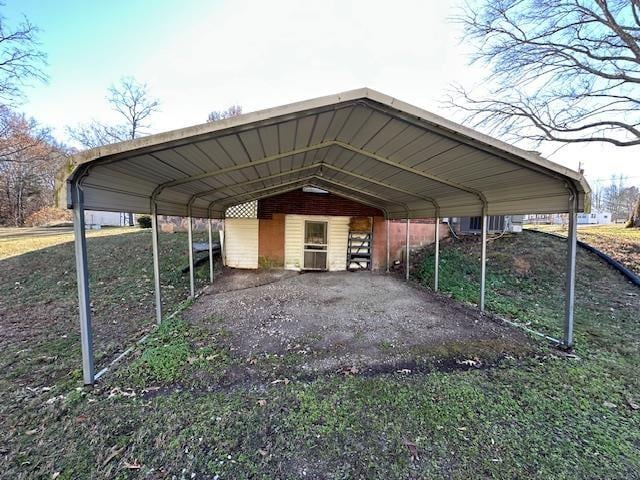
x=362 y=145
x=314 y=229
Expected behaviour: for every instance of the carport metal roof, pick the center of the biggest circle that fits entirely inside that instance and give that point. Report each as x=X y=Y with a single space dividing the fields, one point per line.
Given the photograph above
x=360 y=144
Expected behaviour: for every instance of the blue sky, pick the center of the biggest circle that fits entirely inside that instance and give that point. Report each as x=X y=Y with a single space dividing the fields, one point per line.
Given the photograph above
x=199 y=56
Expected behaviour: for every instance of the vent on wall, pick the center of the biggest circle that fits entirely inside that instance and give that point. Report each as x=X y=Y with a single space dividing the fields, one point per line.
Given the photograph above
x=243 y=210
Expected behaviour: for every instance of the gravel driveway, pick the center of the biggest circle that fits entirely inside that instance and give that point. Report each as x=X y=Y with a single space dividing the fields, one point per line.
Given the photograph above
x=338 y=319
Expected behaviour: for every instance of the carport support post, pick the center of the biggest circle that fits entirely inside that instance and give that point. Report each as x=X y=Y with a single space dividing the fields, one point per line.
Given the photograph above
x=82 y=271
x=483 y=258
x=210 y=251
x=192 y=286
x=437 y=256
x=156 y=260
x=571 y=274
x=407 y=250
x=388 y=253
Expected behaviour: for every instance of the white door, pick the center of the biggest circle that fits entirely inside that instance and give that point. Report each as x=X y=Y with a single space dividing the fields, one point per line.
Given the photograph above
x=241 y=242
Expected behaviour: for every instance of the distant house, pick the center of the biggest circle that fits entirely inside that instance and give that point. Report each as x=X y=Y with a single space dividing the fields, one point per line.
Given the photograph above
x=595 y=217
x=312 y=229
x=94 y=218
x=495 y=224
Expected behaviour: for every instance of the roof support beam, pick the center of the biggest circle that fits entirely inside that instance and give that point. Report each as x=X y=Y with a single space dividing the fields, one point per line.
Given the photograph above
x=482 y=146
x=318 y=146
x=383 y=184
x=305 y=183
x=355 y=199
x=357 y=190
x=420 y=173
x=262 y=161
x=229 y=201
x=249 y=182
x=320 y=165
x=258 y=197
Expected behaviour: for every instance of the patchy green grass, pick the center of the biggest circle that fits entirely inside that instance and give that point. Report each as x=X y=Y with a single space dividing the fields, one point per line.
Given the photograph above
x=525 y=282
x=622 y=244
x=173 y=353
x=181 y=407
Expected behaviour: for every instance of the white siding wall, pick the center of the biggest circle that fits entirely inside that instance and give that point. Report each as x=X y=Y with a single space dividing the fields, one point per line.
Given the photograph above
x=293 y=238
x=338 y=233
x=241 y=242
x=338 y=239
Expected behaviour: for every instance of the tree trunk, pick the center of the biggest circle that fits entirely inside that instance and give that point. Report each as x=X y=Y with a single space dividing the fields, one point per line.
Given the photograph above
x=634 y=218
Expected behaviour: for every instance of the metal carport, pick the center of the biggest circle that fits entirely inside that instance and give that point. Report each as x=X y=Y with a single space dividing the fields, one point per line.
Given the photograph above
x=360 y=144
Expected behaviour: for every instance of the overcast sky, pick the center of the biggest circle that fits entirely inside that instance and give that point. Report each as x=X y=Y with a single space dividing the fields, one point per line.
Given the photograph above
x=199 y=56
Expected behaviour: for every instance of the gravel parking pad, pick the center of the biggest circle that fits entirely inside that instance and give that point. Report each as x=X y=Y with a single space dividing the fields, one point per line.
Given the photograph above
x=340 y=319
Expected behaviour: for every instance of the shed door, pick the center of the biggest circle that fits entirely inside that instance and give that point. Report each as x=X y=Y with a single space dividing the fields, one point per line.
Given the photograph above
x=241 y=242
x=315 y=245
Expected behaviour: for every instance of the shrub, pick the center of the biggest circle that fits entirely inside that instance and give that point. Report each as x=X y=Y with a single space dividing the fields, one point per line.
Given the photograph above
x=144 y=221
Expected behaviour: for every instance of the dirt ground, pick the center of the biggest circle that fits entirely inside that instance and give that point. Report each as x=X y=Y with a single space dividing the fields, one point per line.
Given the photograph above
x=342 y=319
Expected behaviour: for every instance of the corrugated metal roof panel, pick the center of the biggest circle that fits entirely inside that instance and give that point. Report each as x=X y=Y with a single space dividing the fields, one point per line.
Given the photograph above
x=360 y=144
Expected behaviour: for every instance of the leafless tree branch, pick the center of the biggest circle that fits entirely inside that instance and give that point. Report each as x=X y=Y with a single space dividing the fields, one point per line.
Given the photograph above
x=560 y=70
x=21 y=59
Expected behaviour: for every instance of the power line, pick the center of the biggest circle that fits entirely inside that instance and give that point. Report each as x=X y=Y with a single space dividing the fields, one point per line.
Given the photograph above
x=614 y=179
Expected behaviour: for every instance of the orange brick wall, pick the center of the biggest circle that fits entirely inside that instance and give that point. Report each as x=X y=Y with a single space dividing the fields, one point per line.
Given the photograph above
x=271 y=214
x=271 y=241
x=421 y=233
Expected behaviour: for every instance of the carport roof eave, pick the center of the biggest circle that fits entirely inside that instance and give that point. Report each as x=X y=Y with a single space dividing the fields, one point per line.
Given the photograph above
x=404 y=111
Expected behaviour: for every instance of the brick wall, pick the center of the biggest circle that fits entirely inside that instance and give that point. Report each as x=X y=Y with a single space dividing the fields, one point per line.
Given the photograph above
x=272 y=210
x=421 y=233
x=306 y=203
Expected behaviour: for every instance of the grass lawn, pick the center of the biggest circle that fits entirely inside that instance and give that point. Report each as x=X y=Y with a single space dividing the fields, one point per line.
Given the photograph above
x=622 y=244
x=173 y=410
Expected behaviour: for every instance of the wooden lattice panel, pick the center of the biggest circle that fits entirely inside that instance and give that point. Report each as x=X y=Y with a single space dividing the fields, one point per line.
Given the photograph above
x=243 y=210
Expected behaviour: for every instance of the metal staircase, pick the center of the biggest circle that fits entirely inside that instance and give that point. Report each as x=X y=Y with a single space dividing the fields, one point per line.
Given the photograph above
x=359 y=251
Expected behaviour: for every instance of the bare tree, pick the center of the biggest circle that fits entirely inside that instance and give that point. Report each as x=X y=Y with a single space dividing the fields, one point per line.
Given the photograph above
x=134 y=104
x=95 y=134
x=559 y=70
x=232 y=111
x=132 y=100
x=21 y=60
